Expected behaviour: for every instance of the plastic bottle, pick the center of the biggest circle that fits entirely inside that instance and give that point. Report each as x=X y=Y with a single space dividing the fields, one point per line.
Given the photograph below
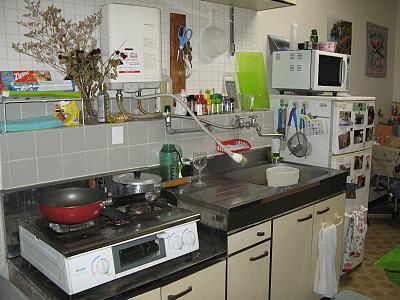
x=275 y=149
x=169 y=161
x=103 y=104
x=165 y=87
x=314 y=39
x=294 y=38
x=179 y=109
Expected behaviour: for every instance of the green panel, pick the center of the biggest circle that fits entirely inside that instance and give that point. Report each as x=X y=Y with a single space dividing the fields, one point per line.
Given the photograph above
x=252 y=77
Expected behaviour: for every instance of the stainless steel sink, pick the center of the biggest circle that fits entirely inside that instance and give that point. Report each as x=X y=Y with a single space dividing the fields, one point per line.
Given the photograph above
x=256 y=175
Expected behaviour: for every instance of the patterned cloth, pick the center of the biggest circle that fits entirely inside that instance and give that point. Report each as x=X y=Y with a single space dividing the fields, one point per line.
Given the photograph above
x=355 y=237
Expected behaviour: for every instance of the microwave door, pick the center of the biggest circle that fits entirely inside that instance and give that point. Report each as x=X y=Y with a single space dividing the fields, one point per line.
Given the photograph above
x=330 y=72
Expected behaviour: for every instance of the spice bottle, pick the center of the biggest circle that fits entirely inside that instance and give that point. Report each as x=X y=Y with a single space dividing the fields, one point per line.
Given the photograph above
x=103 y=104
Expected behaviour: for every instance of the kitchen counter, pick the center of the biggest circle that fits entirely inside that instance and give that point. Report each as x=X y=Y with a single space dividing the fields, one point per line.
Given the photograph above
x=226 y=205
x=37 y=286
x=229 y=204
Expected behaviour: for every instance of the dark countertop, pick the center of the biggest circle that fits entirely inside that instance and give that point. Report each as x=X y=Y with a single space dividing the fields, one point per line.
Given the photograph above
x=228 y=204
x=37 y=286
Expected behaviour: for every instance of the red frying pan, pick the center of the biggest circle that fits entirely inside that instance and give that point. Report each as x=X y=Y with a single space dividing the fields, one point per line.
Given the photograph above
x=71 y=205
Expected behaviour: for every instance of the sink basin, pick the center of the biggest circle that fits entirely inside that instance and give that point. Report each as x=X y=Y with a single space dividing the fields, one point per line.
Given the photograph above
x=256 y=175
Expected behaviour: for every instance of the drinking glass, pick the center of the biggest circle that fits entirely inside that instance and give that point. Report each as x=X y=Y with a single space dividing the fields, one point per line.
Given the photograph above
x=199 y=162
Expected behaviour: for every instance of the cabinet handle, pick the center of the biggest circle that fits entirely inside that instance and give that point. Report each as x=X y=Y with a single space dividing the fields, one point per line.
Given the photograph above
x=259 y=257
x=321 y=212
x=260 y=233
x=181 y=294
x=305 y=218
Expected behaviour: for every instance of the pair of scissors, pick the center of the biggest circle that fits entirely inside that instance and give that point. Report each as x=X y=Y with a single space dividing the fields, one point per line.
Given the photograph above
x=184 y=36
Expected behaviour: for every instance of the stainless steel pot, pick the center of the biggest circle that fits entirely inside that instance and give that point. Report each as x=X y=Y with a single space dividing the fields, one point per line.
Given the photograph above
x=137 y=183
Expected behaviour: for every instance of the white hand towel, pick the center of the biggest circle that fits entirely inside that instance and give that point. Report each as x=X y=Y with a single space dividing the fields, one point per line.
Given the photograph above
x=325 y=282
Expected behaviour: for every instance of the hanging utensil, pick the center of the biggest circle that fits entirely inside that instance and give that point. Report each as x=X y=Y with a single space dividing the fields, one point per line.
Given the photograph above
x=232 y=46
x=185 y=50
x=297 y=143
x=281 y=122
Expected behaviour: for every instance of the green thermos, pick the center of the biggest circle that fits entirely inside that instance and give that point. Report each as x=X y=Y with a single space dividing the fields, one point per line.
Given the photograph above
x=170 y=161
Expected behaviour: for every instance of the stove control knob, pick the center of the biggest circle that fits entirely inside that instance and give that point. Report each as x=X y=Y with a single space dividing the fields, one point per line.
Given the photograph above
x=175 y=242
x=102 y=266
x=189 y=238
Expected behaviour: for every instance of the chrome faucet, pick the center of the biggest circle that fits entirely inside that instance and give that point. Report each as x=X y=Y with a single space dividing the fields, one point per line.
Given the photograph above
x=239 y=122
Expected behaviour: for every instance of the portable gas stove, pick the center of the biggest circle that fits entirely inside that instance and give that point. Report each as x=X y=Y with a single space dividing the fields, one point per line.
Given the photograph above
x=125 y=239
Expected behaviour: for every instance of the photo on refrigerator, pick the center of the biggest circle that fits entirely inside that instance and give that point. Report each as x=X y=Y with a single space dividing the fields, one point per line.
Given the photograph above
x=344 y=140
x=358 y=136
x=358 y=162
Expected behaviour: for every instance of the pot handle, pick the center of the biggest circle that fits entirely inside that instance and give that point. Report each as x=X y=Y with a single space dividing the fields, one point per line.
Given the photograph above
x=176 y=182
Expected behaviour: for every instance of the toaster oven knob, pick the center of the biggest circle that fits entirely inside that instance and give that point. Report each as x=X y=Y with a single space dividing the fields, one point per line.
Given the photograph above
x=189 y=238
x=102 y=266
x=175 y=242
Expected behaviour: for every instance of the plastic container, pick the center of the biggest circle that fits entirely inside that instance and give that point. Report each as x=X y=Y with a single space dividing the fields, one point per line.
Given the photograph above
x=294 y=36
x=170 y=161
x=165 y=87
x=282 y=176
x=327 y=46
x=179 y=109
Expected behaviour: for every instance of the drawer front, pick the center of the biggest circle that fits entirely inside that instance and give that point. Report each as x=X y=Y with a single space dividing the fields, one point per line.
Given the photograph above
x=249 y=237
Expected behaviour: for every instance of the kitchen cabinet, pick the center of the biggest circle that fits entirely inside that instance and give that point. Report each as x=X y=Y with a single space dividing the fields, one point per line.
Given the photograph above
x=248 y=263
x=248 y=273
x=294 y=248
x=151 y=295
x=208 y=283
x=255 y=4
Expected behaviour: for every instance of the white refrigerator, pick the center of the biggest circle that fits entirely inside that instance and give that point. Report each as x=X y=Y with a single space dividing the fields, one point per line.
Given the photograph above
x=340 y=134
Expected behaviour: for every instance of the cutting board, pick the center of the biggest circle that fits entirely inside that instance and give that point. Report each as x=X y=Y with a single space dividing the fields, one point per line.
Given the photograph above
x=252 y=78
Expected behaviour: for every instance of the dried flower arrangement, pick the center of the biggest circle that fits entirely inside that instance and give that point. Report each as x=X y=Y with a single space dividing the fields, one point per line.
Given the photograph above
x=68 y=47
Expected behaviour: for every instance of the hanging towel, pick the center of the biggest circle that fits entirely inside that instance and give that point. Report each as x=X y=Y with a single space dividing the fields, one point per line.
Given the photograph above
x=355 y=237
x=325 y=282
x=348 y=242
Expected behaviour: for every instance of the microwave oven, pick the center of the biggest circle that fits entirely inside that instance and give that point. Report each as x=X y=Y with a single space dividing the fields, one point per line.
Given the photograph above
x=310 y=71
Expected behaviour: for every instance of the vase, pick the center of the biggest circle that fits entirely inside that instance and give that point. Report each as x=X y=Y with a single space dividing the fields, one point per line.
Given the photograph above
x=89 y=113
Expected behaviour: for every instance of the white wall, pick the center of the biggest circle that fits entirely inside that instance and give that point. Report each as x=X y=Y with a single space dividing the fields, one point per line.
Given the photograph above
x=311 y=14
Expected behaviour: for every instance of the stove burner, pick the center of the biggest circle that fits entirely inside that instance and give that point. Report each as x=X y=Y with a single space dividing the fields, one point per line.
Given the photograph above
x=66 y=228
x=132 y=212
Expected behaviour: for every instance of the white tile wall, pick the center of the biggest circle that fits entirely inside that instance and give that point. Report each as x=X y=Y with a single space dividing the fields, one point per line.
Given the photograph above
x=49 y=155
x=207 y=73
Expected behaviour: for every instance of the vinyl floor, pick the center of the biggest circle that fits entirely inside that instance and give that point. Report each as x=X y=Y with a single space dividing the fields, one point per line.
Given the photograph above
x=367 y=279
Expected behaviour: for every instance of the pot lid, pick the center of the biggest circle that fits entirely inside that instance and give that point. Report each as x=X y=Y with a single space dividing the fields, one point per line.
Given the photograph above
x=137 y=178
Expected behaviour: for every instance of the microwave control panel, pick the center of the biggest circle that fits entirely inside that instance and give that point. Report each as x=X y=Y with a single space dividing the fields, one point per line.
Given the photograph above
x=291 y=70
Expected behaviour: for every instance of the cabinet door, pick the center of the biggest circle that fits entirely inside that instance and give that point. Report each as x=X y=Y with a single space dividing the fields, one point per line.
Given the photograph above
x=205 y=284
x=248 y=274
x=330 y=211
x=151 y=295
x=291 y=255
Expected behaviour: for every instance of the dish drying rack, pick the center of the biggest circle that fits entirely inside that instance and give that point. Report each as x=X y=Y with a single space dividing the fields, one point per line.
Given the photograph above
x=235 y=145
